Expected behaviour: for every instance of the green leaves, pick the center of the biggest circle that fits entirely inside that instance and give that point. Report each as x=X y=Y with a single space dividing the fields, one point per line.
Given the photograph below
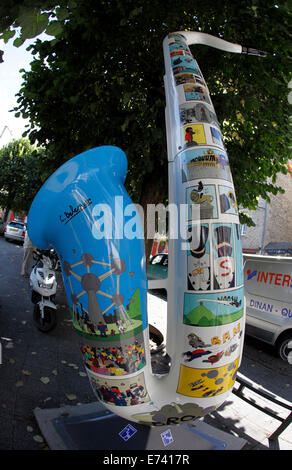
x=7 y=34
x=54 y=28
x=18 y=42
x=20 y=175
x=32 y=22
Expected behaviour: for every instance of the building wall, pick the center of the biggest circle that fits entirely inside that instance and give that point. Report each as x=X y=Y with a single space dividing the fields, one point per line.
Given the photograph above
x=252 y=237
x=278 y=224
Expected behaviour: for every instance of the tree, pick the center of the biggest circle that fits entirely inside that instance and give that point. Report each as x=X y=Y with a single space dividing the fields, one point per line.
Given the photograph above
x=20 y=175
x=100 y=81
x=32 y=17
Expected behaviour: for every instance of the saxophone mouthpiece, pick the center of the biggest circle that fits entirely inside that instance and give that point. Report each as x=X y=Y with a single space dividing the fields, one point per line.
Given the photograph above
x=252 y=51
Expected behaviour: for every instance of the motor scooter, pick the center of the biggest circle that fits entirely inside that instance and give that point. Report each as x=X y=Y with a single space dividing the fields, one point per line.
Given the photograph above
x=43 y=283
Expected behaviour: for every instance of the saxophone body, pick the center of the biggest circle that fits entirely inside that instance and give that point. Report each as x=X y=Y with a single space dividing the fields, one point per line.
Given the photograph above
x=84 y=212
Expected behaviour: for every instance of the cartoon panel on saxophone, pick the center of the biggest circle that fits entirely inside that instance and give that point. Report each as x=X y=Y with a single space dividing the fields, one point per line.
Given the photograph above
x=114 y=359
x=193 y=92
x=212 y=261
x=123 y=392
x=198 y=258
x=217 y=137
x=185 y=64
x=180 y=52
x=183 y=78
x=193 y=134
x=201 y=163
x=212 y=345
x=213 y=309
x=100 y=308
x=228 y=204
x=198 y=112
x=202 y=201
x=223 y=256
x=177 y=45
x=202 y=383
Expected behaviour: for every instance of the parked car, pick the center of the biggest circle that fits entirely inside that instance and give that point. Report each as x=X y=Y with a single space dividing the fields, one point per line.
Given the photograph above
x=15 y=230
x=158 y=267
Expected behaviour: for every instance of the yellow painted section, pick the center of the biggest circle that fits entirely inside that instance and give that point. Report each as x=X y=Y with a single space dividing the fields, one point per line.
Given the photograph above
x=195 y=132
x=199 y=383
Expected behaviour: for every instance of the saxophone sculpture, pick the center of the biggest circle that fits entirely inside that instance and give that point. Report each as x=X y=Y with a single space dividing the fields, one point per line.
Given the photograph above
x=84 y=212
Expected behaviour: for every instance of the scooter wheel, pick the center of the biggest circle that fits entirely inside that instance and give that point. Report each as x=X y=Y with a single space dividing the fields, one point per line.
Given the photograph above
x=47 y=323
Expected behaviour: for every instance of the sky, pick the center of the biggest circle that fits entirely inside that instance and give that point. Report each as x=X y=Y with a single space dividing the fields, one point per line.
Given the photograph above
x=10 y=83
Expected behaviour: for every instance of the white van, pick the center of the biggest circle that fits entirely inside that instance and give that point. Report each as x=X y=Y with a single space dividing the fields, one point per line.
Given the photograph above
x=268 y=296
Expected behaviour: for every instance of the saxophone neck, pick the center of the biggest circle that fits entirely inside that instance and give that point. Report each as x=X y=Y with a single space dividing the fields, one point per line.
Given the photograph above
x=195 y=37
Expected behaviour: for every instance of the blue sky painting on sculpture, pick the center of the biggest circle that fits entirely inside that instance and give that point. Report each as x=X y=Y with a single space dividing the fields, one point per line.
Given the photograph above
x=104 y=275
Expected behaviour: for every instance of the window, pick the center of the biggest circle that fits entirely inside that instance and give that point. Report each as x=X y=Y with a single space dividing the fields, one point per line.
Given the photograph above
x=17 y=225
x=157 y=259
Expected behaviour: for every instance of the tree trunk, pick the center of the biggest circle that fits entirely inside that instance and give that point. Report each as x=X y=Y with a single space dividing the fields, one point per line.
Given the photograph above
x=6 y=215
x=154 y=192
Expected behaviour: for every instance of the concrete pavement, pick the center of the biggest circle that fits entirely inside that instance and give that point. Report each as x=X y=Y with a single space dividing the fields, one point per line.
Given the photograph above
x=37 y=370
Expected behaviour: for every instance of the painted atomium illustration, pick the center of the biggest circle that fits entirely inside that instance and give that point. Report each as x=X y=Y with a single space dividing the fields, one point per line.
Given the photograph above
x=91 y=284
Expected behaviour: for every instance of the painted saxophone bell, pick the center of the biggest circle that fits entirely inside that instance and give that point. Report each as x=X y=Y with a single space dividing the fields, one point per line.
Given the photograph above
x=85 y=213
